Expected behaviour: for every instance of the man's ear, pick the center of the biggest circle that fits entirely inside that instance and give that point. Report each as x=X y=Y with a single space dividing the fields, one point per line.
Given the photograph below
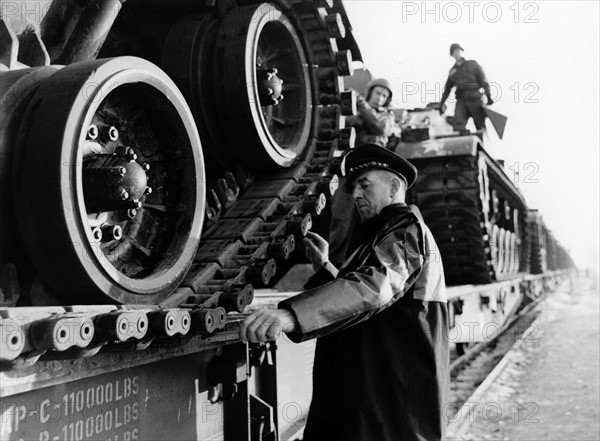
x=395 y=186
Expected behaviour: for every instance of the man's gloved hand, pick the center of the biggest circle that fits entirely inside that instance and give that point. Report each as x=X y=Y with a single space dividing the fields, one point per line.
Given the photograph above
x=490 y=101
x=317 y=250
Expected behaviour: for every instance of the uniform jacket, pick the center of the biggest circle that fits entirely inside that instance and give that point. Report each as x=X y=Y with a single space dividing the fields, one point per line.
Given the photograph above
x=381 y=362
x=469 y=78
x=373 y=125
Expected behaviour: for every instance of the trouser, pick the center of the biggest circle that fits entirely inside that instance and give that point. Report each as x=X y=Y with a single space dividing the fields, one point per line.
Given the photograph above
x=466 y=109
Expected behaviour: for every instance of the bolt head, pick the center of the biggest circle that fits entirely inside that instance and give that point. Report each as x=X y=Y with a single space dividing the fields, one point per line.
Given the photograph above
x=92 y=131
x=113 y=133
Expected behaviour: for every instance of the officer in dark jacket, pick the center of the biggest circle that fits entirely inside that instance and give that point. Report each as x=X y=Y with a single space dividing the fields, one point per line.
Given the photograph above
x=469 y=79
x=381 y=362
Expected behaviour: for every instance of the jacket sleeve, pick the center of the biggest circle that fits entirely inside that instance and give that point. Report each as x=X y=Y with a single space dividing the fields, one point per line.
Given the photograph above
x=321 y=277
x=447 y=88
x=387 y=272
x=483 y=82
x=379 y=123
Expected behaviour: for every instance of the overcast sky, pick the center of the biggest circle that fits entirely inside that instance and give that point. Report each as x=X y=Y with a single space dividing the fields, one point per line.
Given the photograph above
x=542 y=61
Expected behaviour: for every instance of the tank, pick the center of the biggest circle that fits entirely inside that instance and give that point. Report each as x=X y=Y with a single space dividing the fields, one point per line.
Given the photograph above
x=158 y=152
x=482 y=224
x=476 y=213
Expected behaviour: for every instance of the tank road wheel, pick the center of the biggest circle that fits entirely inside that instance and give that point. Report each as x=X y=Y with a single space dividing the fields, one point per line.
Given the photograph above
x=514 y=254
x=495 y=248
x=109 y=190
x=263 y=89
x=501 y=245
x=507 y=253
x=18 y=87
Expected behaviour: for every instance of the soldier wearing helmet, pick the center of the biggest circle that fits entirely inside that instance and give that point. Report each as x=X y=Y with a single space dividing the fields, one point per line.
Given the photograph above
x=374 y=122
x=469 y=79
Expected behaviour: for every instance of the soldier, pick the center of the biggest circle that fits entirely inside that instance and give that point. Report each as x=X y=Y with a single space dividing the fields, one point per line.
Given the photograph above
x=381 y=368
x=468 y=78
x=374 y=121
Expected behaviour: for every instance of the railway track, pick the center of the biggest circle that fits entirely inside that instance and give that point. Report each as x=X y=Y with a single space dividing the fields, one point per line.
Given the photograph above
x=470 y=370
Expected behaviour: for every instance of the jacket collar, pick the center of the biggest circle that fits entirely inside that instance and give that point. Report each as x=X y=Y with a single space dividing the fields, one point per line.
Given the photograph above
x=369 y=228
x=387 y=213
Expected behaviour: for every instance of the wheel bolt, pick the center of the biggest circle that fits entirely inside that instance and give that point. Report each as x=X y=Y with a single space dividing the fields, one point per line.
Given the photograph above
x=108 y=134
x=97 y=234
x=113 y=133
x=92 y=132
x=111 y=232
x=121 y=171
x=127 y=152
x=124 y=195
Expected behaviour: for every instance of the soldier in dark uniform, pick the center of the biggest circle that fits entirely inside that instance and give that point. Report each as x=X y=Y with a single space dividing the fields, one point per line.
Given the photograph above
x=381 y=368
x=469 y=79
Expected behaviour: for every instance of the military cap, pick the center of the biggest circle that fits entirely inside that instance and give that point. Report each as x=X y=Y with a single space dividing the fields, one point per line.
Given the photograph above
x=455 y=46
x=374 y=157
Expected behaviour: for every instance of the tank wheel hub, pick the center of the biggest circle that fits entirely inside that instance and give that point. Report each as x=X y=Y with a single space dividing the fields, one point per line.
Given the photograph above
x=113 y=182
x=270 y=87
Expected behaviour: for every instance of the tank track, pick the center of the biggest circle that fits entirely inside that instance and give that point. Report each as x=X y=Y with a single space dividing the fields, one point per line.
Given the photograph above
x=476 y=215
x=253 y=228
